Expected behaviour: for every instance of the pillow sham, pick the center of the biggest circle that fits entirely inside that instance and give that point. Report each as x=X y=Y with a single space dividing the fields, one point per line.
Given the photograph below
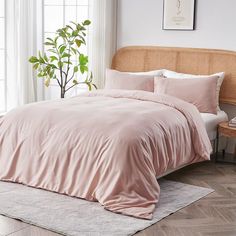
x=130 y=81
x=199 y=92
x=176 y=75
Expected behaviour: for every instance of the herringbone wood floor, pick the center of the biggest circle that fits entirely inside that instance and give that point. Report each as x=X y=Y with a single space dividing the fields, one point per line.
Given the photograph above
x=214 y=215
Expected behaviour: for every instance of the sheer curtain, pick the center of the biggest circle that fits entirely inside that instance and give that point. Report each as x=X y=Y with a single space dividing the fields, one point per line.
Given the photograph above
x=22 y=41
x=24 y=37
x=103 y=34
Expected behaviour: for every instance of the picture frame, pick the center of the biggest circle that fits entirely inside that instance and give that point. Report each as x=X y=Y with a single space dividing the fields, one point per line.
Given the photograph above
x=178 y=14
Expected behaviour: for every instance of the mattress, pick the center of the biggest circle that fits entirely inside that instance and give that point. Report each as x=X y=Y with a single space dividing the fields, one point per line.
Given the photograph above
x=211 y=121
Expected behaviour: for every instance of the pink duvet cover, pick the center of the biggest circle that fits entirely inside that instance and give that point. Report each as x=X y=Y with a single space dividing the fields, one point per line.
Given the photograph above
x=105 y=146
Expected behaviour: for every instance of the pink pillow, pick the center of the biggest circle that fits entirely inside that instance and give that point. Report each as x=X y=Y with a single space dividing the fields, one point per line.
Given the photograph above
x=199 y=92
x=176 y=75
x=124 y=80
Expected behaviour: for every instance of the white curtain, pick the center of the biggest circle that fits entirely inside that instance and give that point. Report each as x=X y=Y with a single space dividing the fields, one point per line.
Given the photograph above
x=103 y=35
x=22 y=41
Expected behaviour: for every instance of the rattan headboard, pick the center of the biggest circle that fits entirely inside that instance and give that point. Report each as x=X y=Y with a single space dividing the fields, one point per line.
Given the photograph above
x=185 y=60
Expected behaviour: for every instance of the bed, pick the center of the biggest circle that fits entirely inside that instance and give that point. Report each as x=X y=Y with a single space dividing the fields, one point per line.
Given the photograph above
x=111 y=147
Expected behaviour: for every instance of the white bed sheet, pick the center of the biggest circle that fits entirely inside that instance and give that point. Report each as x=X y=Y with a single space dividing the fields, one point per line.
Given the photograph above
x=211 y=121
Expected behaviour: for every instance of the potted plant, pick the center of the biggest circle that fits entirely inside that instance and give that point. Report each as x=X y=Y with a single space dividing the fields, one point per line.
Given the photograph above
x=57 y=63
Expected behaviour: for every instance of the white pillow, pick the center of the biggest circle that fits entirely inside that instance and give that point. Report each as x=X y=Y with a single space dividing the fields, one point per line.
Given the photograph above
x=152 y=73
x=176 y=75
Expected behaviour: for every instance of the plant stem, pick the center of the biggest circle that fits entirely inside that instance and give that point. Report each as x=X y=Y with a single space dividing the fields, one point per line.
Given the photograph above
x=74 y=86
x=63 y=92
x=70 y=78
x=68 y=65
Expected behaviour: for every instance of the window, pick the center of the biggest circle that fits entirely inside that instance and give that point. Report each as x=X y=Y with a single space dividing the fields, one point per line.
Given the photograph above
x=2 y=58
x=58 y=13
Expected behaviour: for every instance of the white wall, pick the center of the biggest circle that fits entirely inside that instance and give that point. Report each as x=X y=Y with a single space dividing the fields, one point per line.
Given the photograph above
x=140 y=23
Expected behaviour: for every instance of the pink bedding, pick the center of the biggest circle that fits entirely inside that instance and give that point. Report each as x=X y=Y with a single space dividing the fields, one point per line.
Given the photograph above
x=105 y=146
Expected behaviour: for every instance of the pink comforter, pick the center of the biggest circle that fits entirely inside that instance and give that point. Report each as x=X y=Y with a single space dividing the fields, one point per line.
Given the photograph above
x=105 y=146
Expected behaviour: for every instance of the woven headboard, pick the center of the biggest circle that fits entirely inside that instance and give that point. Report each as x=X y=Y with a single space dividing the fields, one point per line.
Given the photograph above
x=185 y=60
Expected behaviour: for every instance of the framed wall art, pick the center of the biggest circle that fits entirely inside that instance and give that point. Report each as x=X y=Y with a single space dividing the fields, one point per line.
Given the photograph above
x=178 y=15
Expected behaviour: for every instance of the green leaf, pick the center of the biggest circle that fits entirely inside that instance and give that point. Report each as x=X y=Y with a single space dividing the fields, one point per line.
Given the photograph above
x=83 y=69
x=74 y=50
x=41 y=60
x=36 y=66
x=61 y=45
x=83 y=60
x=47 y=70
x=49 y=44
x=78 y=42
x=68 y=34
x=50 y=39
x=52 y=50
x=53 y=58
x=87 y=22
x=80 y=27
x=68 y=26
x=62 y=34
x=40 y=75
x=71 y=42
x=65 y=55
x=55 y=40
x=53 y=66
x=33 y=59
x=51 y=74
x=60 y=64
x=82 y=39
x=75 y=33
x=62 y=49
x=47 y=82
x=45 y=57
x=75 y=81
x=76 y=69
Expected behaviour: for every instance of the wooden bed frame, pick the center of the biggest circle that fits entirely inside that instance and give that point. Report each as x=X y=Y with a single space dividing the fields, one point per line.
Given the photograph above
x=185 y=60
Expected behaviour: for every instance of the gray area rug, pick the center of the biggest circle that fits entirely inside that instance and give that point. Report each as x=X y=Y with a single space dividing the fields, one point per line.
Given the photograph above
x=76 y=217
